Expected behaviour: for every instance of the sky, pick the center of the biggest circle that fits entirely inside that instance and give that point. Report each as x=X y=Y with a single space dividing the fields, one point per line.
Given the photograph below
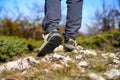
x=89 y=8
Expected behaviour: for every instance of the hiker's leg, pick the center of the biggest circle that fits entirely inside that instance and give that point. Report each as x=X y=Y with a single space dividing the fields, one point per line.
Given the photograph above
x=74 y=17
x=52 y=15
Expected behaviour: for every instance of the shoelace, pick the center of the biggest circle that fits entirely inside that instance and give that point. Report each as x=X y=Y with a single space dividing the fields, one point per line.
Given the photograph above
x=45 y=37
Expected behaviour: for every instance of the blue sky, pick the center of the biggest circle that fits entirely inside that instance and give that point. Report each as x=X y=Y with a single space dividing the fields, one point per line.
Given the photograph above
x=89 y=8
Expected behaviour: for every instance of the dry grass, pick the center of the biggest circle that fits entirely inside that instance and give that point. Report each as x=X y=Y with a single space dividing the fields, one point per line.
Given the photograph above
x=45 y=71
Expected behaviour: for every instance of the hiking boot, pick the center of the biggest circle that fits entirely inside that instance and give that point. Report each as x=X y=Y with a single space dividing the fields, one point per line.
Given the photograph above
x=51 y=41
x=70 y=44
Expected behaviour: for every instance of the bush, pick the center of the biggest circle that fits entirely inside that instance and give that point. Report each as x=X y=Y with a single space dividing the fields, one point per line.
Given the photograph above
x=11 y=46
x=106 y=41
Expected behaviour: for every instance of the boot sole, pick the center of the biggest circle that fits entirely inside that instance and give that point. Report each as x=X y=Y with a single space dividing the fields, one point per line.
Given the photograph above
x=49 y=47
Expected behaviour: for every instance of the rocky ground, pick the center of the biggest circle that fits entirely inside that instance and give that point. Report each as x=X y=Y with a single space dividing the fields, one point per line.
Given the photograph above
x=81 y=64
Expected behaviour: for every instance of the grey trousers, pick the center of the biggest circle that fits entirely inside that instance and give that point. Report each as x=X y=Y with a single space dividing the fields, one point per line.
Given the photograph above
x=53 y=17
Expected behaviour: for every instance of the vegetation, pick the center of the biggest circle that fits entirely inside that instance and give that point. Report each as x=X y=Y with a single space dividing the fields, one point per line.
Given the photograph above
x=20 y=28
x=11 y=46
x=105 y=19
x=106 y=41
x=14 y=46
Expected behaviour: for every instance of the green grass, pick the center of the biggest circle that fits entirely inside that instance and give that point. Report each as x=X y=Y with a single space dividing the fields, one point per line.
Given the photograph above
x=34 y=43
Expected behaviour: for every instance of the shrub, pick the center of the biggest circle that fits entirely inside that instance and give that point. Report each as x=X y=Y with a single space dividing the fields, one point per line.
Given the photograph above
x=106 y=41
x=11 y=46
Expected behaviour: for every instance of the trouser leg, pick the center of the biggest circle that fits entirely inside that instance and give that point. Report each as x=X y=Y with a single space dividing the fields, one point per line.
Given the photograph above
x=74 y=17
x=52 y=15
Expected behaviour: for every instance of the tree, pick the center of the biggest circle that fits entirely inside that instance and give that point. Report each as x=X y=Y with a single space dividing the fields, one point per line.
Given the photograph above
x=36 y=19
x=119 y=2
x=104 y=20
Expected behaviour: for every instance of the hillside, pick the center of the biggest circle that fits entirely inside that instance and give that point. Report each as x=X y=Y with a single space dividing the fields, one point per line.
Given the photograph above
x=81 y=64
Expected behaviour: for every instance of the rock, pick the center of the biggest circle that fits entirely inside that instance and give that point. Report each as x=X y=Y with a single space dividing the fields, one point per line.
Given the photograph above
x=57 y=66
x=24 y=72
x=63 y=60
x=56 y=57
x=24 y=64
x=116 y=61
x=104 y=55
x=11 y=65
x=113 y=55
x=46 y=70
x=60 y=48
x=88 y=52
x=60 y=57
x=83 y=64
x=78 y=48
x=2 y=68
x=31 y=60
x=110 y=55
x=94 y=76
x=78 y=57
x=75 y=51
x=113 y=74
x=19 y=64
